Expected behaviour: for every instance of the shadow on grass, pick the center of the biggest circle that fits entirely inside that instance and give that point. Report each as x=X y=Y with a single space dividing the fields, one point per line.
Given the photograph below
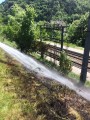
x=42 y=97
x=44 y=100
x=8 y=63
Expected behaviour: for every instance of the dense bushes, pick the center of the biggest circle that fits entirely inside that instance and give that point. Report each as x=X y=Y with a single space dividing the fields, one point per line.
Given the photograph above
x=26 y=34
x=72 y=12
x=65 y=63
x=77 y=31
x=21 y=27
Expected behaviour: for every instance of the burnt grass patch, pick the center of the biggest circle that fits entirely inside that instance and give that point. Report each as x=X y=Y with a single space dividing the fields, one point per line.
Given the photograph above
x=43 y=98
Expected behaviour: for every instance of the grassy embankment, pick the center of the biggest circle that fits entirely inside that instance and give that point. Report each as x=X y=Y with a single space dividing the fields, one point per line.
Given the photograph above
x=47 y=62
x=51 y=64
x=24 y=97
x=66 y=44
x=21 y=95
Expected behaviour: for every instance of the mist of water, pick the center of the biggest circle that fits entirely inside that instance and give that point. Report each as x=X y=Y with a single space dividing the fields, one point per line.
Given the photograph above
x=42 y=71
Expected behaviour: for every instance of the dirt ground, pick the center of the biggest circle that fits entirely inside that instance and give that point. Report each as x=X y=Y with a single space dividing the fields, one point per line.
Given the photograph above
x=50 y=99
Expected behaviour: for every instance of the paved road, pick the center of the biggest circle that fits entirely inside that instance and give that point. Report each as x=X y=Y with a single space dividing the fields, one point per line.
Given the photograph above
x=43 y=71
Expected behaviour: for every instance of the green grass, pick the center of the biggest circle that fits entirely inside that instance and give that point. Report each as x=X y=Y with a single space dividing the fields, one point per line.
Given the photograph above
x=8 y=42
x=67 y=44
x=48 y=63
x=77 y=78
x=51 y=65
x=24 y=97
x=6 y=98
x=44 y=61
x=12 y=107
x=74 y=76
x=73 y=46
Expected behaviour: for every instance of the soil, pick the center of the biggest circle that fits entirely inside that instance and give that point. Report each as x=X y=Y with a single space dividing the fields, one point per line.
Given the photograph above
x=52 y=100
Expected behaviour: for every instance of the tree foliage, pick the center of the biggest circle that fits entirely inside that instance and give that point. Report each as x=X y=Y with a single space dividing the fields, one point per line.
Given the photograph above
x=26 y=34
x=73 y=12
x=77 y=31
x=51 y=9
x=13 y=22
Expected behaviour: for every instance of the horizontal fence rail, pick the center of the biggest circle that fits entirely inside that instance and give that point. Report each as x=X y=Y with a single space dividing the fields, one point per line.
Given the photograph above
x=76 y=58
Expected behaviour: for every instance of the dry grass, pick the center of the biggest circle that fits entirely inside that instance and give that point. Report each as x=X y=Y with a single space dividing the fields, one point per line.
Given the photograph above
x=23 y=96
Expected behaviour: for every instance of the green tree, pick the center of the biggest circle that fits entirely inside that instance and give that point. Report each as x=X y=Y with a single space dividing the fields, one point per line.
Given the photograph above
x=77 y=31
x=13 y=22
x=26 y=34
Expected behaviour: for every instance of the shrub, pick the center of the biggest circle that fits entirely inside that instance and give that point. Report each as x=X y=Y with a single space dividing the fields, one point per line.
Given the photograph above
x=26 y=35
x=65 y=63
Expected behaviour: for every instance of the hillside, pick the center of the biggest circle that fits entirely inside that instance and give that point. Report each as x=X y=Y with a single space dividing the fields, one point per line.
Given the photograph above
x=67 y=10
x=23 y=96
x=73 y=12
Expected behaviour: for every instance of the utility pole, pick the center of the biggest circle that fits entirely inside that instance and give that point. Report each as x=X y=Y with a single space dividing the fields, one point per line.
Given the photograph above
x=86 y=55
x=62 y=40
